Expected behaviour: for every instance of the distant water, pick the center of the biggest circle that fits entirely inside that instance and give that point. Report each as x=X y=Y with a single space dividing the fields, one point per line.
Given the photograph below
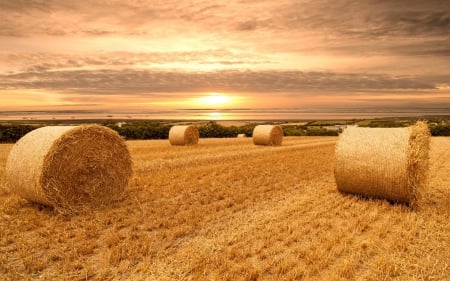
x=213 y=114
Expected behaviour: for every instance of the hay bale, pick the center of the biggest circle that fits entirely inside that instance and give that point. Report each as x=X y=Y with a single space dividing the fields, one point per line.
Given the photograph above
x=384 y=163
x=183 y=135
x=69 y=166
x=241 y=136
x=267 y=135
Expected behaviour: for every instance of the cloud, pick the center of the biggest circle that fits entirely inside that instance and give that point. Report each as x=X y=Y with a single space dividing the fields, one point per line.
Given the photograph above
x=367 y=18
x=416 y=23
x=110 y=82
x=25 y=18
x=361 y=27
x=247 y=25
x=38 y=62
x=426 y=48
x=24 y=6
x=361 y=19
x=346 y=26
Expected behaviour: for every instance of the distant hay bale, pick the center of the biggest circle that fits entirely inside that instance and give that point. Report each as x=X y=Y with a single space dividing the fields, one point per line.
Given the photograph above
x=241 y=136
x=183 y=135
x=68 y=167
x=389 y=163
x=267 y=135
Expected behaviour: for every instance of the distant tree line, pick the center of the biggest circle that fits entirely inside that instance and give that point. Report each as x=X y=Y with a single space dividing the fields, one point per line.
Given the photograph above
x=440 y=130
x=388 y=124
x=437 y=127
x=305 y=130
x=142 y=130
x=155 y=130
x=12 y=133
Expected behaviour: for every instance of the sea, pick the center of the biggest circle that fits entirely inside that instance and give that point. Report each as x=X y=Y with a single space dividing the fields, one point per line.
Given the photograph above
x=223 y=114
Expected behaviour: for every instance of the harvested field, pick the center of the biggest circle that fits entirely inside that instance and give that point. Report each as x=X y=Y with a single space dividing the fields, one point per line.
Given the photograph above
x=228 y=210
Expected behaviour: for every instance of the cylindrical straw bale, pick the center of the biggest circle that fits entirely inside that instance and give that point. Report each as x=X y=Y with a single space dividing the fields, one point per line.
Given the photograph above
x=267 y=135
x=69 y=166
x=389 y=163
x=183 y=135
x=241 y=136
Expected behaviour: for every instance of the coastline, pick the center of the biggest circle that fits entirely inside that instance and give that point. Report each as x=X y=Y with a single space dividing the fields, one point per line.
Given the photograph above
x=219 y=115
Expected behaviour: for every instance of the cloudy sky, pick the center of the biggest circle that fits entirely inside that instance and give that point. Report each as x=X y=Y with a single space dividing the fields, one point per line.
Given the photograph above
x=153 y=54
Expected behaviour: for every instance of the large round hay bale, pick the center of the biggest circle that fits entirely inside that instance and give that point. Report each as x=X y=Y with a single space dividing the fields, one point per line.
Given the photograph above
x=69 y=166
x=267 y=135
x=389 y=163
x=183 y=135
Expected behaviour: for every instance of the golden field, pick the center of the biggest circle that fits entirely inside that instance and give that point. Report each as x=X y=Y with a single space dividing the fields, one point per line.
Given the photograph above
x=228 y=210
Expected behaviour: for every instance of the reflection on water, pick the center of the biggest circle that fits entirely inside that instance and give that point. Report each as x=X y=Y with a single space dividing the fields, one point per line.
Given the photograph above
x=216 y=115
x=210 y=114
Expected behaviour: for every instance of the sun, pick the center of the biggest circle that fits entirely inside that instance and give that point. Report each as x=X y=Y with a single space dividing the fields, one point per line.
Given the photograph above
x=214 y=99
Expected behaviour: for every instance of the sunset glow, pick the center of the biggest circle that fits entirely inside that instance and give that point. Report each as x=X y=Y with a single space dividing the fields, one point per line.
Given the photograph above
x=215 y=100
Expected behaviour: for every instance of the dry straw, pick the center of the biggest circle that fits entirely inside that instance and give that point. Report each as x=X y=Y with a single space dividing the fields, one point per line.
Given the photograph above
x=267 y=135
x=69 y=167
x=385 y=163
x=183 y=135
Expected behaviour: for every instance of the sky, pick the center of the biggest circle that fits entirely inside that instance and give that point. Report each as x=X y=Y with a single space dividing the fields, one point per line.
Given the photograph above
x=162 y=54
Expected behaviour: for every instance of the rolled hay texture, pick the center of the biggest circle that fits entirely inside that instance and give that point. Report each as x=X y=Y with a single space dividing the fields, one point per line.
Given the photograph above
x=267 y=135
x=183 y=135
x=68 y=167
x=389 y=163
